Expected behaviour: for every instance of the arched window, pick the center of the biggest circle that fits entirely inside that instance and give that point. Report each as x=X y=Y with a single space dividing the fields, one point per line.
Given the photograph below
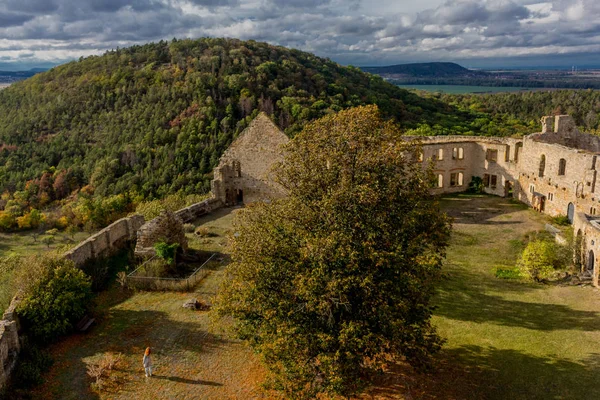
x=455 y=153
x=542 y=166
x=562 y=165
x=440 y=180
x=440 y=156
x=461 y=153
x=460 y=179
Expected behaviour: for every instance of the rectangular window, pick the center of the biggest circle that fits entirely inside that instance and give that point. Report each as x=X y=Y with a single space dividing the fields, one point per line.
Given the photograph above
x=491 y=155
x=494 y=181
x=550 y=196
x=454 y=179
x=440 y=155
x=507 y=153
x=454 y=153
x=486 y=180
x=460 y=179
x=531 y=188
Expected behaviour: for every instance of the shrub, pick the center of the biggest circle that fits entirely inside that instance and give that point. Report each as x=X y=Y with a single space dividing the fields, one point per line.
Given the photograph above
x=508 y=273
x=542 y=258
x=167 y=251
x=54 y=299
x=476 y=185
x=101 y=370
x=32 y=363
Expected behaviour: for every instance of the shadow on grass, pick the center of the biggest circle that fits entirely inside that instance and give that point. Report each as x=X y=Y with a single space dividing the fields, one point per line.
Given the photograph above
x=480 y=209
x=187 y=381
x=474 y=372
x=463 y=297
x=127 y=332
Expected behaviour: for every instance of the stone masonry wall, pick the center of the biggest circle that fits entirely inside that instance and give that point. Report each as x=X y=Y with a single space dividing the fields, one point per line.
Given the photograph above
x=107 y=241
x=244 y=173
x=10 y=344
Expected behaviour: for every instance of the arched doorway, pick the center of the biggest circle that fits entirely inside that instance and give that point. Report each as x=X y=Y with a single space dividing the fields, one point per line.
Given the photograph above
x=239 y=198
x=590 y=262
x=571 y=212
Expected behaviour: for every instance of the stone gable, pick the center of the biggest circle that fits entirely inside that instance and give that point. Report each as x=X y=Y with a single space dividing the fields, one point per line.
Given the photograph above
x=245 y=171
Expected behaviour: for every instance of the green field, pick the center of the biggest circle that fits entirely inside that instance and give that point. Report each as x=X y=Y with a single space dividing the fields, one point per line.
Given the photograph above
x=505 y=339
x=462 y=89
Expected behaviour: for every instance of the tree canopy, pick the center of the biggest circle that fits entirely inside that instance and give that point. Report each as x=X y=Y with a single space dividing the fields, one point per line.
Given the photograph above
x=334 y=281
x=149 y=121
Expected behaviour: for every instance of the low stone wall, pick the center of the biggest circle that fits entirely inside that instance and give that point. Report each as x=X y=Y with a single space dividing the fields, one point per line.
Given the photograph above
x=107 y=241
x=199 y=209
x=9 y=343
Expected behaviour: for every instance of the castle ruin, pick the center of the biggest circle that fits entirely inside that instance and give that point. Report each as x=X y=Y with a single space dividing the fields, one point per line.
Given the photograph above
x=554 y=171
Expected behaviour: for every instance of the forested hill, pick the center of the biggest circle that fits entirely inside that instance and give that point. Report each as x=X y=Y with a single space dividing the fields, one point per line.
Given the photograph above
x=154 y=119
x=429 y=70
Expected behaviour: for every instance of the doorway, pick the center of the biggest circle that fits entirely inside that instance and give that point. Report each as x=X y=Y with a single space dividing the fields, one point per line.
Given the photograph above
x=571 y=212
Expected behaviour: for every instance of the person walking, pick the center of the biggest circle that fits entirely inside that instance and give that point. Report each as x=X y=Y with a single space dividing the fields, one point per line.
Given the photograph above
x=147 y=362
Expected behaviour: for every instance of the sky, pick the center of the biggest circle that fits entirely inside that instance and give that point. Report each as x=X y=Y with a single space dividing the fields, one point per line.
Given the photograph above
x=473 y=33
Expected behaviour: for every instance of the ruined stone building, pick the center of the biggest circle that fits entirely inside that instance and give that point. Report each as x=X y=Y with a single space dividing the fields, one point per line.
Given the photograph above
x=553 y=171
x=244 y=173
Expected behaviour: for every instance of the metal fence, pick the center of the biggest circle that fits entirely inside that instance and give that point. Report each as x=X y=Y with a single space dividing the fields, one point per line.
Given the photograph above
x=173 y=284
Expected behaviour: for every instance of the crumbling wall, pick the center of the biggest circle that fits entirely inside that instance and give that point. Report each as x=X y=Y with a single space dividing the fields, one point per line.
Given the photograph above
x=167 y=227
x=197 y=210
x=107 y=241
x=9 y=343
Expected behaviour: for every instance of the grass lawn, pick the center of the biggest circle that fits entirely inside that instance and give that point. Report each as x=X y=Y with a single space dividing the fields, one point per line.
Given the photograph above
x=505 y=339
x=24 y=244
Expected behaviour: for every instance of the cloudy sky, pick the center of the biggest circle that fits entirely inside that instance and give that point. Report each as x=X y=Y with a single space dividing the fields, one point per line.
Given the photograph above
x=475 y=33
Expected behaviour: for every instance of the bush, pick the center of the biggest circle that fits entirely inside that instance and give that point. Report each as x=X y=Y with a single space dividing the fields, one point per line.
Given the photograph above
x=54 y=298
x=100 y=371
x=509 y=273
x=542 y=258
x=476 y=185
x=32 y=363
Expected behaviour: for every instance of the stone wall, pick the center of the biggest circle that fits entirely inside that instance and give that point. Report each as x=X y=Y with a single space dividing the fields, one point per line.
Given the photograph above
x=10 y=344
x=170 y=226
x=244 y=174
x=464 y=157
x=107 y=241
x=197 y=210
x=167 y=227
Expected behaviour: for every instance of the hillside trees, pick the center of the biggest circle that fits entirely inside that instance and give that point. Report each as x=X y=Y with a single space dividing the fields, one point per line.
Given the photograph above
x=152 y=120
x=334 y=281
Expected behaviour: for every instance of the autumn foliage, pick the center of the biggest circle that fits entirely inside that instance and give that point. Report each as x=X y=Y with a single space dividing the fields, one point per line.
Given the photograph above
x=333 y=282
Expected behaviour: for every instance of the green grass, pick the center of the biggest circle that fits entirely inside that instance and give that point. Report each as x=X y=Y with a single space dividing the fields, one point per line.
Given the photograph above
x=512 y=340
x=24 y=243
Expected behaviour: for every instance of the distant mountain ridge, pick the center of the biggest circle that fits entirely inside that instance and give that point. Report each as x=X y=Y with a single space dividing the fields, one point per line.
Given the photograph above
x=432 y=69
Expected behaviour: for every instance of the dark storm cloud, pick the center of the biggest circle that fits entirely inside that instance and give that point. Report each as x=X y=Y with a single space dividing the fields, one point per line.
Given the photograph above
x=356 y=31
x=13 y=19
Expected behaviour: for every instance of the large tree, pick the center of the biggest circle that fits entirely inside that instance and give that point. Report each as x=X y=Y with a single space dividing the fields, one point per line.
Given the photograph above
x=334 y=281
